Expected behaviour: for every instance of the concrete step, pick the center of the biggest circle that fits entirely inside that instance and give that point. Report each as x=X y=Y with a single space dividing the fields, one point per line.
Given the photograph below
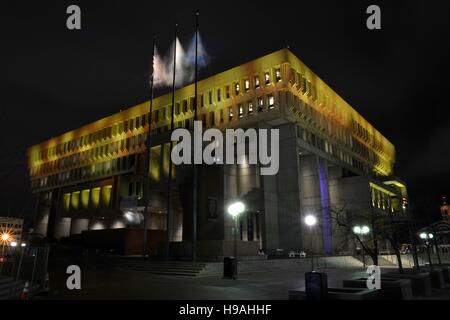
x=165 y=268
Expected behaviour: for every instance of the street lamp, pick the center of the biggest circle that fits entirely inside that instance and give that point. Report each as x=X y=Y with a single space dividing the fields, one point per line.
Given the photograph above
x=5 y=237
x=311 y=221
x=426 y=236
x=234 y=210
x=361 y=231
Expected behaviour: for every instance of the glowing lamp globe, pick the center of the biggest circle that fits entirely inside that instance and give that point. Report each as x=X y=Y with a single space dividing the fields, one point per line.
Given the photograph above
x=310 y=220
x=236 y=209
x=365 y=230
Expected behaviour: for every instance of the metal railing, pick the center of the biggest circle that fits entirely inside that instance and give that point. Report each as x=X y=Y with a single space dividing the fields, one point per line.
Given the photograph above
x=25 y=263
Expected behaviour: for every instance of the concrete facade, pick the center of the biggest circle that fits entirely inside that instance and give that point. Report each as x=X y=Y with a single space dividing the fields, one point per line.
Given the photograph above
x=331 y=158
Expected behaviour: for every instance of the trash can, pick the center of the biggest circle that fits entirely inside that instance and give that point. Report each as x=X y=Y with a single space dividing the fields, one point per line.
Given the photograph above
x=316 y=285
x=229 y=268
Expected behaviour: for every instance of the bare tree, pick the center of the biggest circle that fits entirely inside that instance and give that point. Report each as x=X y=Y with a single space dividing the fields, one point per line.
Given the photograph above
x=383 y=227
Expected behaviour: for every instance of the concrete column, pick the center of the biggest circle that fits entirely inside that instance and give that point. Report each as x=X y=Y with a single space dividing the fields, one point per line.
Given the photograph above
x=311 y=201
x=289 y=218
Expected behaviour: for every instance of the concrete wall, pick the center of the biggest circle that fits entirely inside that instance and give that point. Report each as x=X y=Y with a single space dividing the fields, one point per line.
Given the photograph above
x=79 y=225
x=62 y=227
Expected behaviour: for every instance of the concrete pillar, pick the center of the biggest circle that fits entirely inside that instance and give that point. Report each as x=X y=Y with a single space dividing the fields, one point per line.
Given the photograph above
x=289 y=218
x=311 y=201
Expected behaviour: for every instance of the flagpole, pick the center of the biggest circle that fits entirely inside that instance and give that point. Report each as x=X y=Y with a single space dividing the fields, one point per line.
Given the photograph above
x=169 y=182
x=195 y=169
x=148 y=146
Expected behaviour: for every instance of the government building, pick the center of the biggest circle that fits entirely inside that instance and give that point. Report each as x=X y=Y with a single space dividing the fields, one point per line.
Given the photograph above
x=88 y=182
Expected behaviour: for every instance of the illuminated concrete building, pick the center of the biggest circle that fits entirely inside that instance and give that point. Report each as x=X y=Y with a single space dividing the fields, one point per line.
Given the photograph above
x=330 y=157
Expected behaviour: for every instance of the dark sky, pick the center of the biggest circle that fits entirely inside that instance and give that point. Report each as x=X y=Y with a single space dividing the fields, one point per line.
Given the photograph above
x=54 y=80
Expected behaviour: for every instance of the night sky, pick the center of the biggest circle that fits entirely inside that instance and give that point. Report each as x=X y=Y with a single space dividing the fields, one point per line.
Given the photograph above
x=54 y=80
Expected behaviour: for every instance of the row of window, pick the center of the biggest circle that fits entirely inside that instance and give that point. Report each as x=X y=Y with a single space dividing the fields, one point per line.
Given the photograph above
x=324 y=145
x=86 y=172
x=130 y=144
x=365 y=135
x=164 y=113
x=159 y=161
x=87 y=199
x=383 y=200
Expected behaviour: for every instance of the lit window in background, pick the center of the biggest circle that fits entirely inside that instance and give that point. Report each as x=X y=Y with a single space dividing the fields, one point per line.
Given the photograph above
x=247 y=85
x=278 y=75
x=256 y=82
x=267 y=78
x=237 y=88
x=271 y=101
x=260 y=104
x=250 y=107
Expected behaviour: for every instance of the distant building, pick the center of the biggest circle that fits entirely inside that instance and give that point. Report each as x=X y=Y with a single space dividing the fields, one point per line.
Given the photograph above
x=12 y=226
x=91 y=178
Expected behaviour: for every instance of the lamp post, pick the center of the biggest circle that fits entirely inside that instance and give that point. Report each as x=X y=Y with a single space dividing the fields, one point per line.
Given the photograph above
x=426 y=236
x=234 y=210
x=311 y=221
x=361 y=231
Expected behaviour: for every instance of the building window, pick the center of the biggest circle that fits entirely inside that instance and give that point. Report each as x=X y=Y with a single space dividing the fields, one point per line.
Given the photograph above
x=185 y=106
x=260 y=104
x=210 y=97
x=250 y=107
x=221 y=115
x=204 y=120
x=192 y=104
x=278 y=75
x=271 y=101
x=256 y=82
x=247 y=85
x=230 y=113
x=227 y=92
x=240 y=111
x=218 y=95
x=177 y=108
x=202 y=102
x=211 y=115
x=267 y=78
x=237 y=89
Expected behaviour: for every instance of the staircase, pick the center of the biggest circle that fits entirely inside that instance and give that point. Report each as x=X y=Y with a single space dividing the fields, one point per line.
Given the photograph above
x=170 y=268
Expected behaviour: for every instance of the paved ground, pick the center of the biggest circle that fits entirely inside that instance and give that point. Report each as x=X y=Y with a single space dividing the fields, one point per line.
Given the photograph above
x=102 y=281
